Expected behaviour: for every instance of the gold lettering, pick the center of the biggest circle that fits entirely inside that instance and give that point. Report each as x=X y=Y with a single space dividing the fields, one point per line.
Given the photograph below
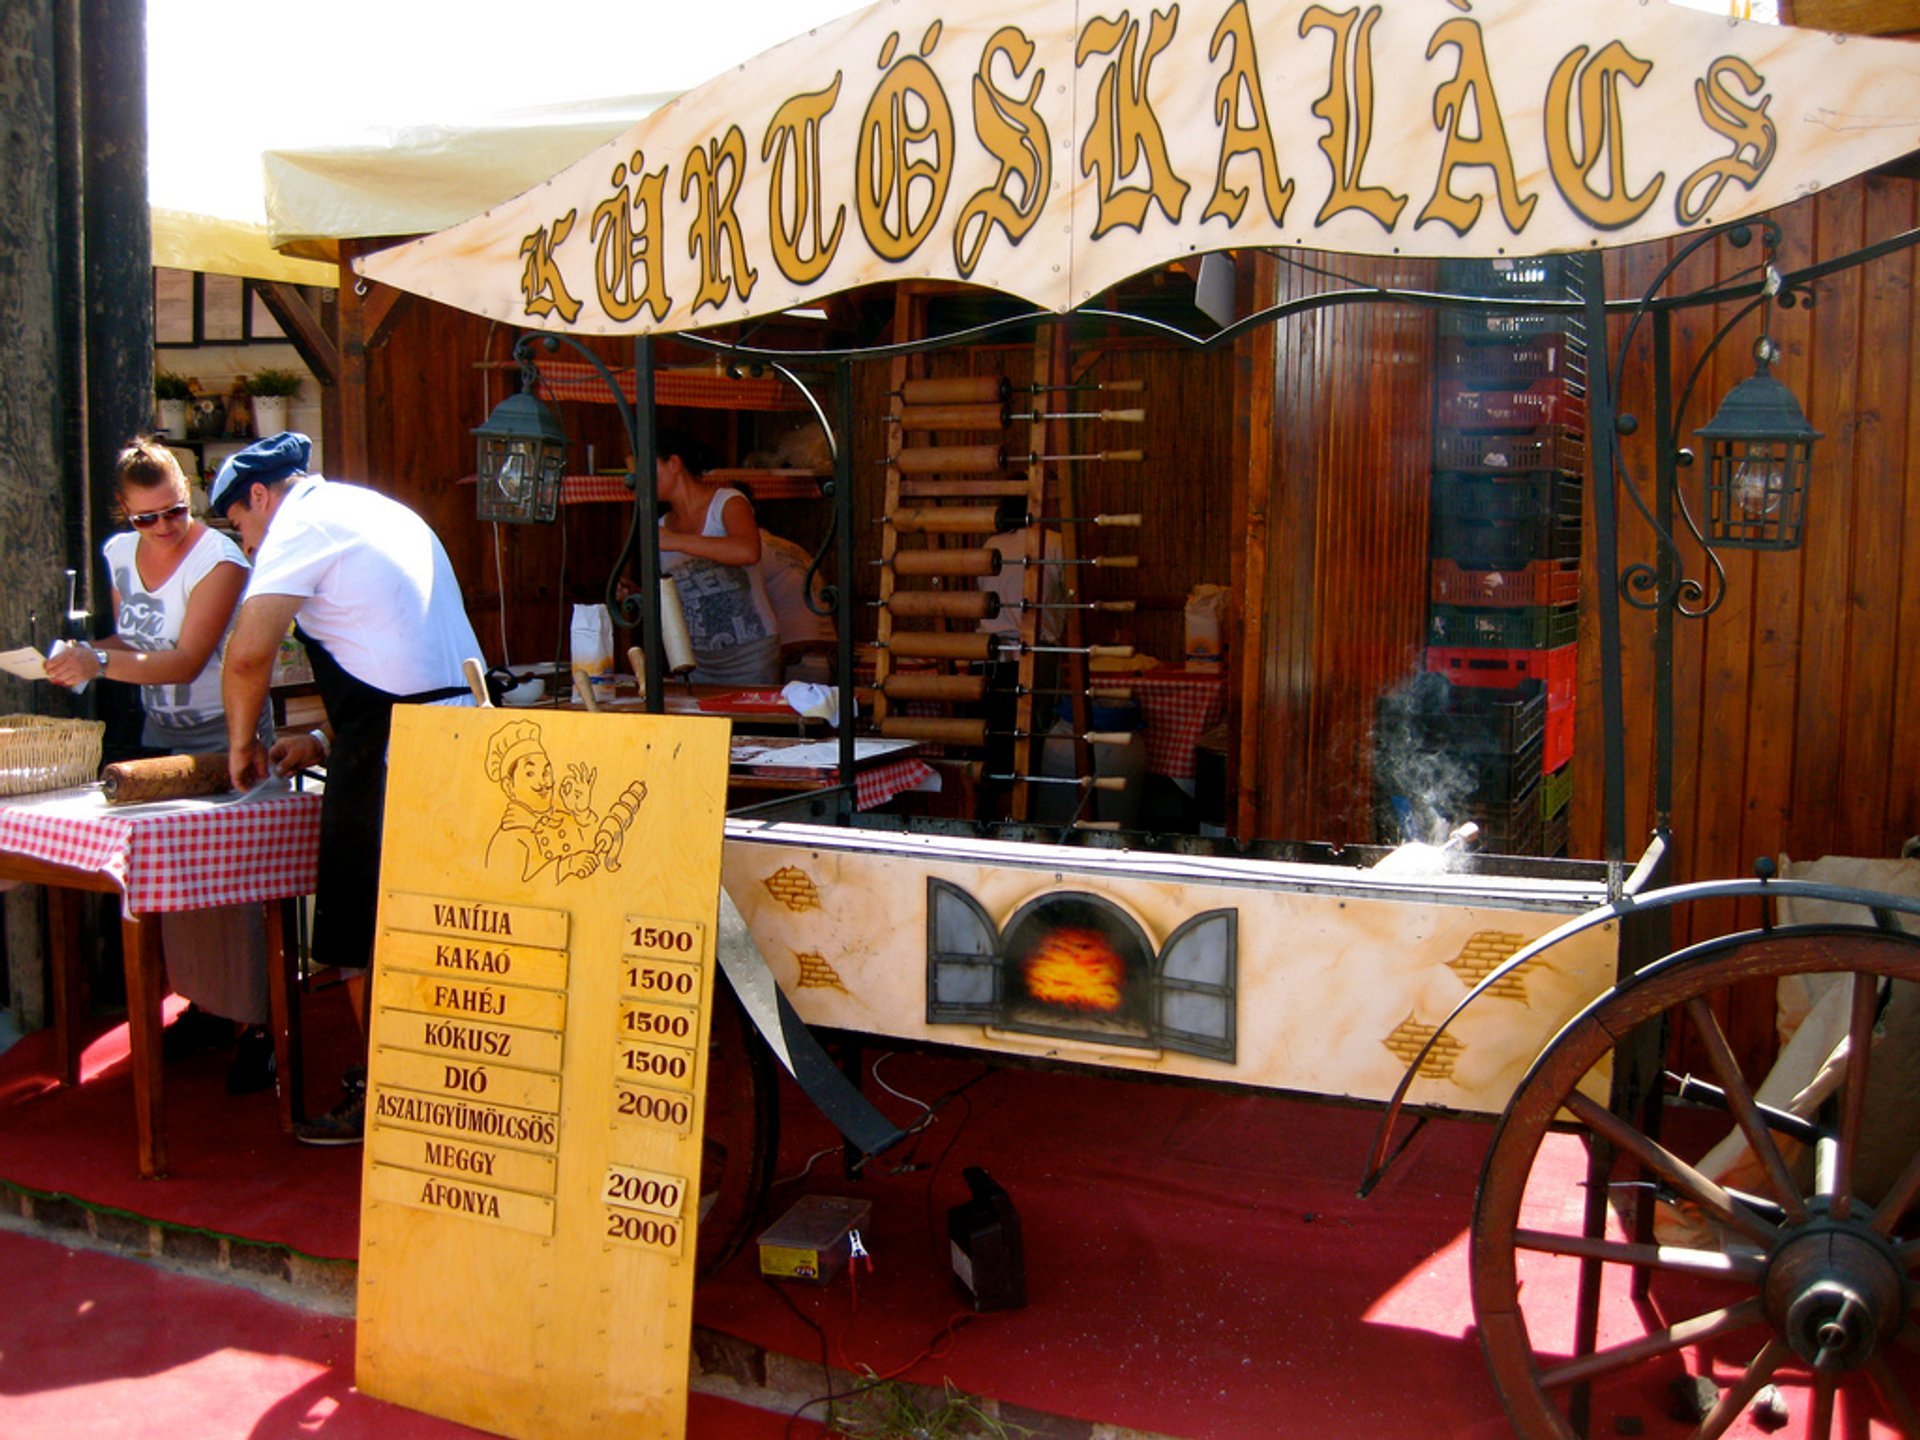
x=1744 y=123
x=1347 y=107
x=541 y=284
x=905 y=158
x=1254 y=137
x=1472 y=84
x=1015 y=134
x=1125 y=132
x=1602 y=135
x=795 y=131
x=721 y=162
x=624 y=250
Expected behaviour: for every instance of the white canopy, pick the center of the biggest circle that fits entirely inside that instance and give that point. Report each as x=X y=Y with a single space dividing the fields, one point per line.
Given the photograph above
x=276 y=126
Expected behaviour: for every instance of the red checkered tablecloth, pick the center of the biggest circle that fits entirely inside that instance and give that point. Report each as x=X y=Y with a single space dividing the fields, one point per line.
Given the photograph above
x=181 y=855
x=1180 y=706
x=876 y=784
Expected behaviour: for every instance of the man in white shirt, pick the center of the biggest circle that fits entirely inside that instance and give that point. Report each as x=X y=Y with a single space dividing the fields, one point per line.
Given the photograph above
x=373 y=597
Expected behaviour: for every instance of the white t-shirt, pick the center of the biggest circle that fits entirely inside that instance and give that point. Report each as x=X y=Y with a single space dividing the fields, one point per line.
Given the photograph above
x=151 y=620
x=376 y=587
x=726 y=605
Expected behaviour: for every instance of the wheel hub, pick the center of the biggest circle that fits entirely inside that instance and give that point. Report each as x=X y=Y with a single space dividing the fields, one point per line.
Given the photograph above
x=1836 y=1293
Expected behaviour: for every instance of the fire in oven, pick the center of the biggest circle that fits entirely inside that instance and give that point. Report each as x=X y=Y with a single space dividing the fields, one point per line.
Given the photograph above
x=1077 y=965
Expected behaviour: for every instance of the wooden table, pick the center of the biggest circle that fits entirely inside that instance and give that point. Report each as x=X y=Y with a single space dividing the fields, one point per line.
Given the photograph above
x=181 y=855
x=882 y=769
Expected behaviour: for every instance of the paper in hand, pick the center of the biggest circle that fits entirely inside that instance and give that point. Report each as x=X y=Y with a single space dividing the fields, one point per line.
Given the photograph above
x=24 y=663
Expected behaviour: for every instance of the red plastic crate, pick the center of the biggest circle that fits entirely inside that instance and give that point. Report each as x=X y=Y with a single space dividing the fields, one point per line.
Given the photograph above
x=1550 y=449
x=1546 y=402
x=1511 y=364
x=1559 y=748
x=1544 y=582
x=1558 y=669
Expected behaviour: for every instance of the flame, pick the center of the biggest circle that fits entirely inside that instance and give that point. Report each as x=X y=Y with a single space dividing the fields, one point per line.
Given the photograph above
x=1076 y=967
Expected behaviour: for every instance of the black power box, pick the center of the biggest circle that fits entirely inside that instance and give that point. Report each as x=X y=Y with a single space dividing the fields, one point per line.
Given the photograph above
x=989 y=1264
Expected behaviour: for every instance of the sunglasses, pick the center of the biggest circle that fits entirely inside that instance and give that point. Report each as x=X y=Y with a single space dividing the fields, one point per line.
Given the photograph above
x=147 y=519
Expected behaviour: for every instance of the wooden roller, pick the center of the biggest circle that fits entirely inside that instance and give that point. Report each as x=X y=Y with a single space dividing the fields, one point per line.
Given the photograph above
x=952 y=417
x=946 y=519
x=1011 y=489
x=951 y=460
x=165 y=777
x=947 y=562
x=944 y=604
x=943 y=732
x=941 y=645
x=958 y=390
x=935 y=687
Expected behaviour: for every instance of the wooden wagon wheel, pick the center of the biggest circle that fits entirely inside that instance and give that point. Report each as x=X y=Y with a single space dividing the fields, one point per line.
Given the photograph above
x=1800 y=1272
x=740 y=1137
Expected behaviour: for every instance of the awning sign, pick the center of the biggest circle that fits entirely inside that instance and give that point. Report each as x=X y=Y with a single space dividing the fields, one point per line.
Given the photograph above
x=1050 y=149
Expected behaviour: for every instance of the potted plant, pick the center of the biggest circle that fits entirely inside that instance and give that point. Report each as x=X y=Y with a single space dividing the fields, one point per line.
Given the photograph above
x=171 y=393
x=271 y=389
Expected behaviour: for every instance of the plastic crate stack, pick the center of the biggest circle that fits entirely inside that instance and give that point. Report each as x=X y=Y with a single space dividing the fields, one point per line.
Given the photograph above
x=1447 y=753
x=1509 y=456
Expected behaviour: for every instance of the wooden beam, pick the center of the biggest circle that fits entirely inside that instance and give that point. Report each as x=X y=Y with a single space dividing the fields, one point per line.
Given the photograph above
x=304 y=331
x=1855 y=17
x=384 y=308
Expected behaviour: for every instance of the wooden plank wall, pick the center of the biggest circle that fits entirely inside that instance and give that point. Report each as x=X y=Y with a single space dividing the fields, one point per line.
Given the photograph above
x=1334 y=510
x=1795 y=697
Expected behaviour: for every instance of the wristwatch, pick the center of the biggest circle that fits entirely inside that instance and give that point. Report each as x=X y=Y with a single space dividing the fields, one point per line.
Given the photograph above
x=99 y=658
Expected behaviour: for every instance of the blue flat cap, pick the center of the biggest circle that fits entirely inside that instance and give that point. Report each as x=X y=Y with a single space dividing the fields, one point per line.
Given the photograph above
x=265 y=462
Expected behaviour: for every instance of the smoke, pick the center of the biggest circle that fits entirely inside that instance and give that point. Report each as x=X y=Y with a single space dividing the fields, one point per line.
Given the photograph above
x=1421 y=785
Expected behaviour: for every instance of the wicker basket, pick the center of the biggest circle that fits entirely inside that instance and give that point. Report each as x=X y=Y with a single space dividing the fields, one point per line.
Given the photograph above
x=39 y=752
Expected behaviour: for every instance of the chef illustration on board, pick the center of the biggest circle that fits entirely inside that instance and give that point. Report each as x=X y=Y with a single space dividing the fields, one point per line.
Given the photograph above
x=550 y=823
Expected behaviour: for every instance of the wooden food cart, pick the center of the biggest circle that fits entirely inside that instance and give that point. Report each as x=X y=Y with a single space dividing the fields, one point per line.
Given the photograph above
x=1534 y=988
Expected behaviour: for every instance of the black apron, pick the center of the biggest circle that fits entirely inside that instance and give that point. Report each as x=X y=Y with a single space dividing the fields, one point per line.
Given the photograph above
x=347 y=895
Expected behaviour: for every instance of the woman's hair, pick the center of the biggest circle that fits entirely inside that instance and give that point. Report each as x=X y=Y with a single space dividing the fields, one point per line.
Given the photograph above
x=145 y=463
x=694 y=452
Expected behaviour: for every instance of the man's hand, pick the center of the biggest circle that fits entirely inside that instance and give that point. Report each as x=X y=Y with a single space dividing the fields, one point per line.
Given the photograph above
x=295 y=752
x=247 y=765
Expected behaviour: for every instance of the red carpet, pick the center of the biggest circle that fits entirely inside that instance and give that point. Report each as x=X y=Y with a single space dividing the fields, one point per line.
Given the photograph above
x=85 y=1360
x=1197 y=1263
x=232 y=1170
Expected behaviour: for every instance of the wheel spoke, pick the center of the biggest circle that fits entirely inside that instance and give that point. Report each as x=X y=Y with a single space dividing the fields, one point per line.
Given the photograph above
x=1733 y=1401
x=1853 y=1102
x=1745 y=1113
x=1893 y=1394
x=1683 y=1176
x=1659 y=1342
x=1896 y=1201
x=1826 y=1385
x=1713 y=1264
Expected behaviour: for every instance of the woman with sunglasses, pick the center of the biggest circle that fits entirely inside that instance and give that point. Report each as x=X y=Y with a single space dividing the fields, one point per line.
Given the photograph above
x=176 y=585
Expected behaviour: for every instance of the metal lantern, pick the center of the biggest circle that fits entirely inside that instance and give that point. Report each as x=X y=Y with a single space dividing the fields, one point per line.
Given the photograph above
x=1759 y=451
x=521 y=457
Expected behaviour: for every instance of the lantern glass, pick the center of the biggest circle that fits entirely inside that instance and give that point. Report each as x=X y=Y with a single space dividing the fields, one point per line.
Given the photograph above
x=1757 y=493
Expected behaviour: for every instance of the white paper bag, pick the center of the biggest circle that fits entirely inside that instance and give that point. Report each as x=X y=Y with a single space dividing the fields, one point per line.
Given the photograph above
x=591 y=656
x=1206 y=615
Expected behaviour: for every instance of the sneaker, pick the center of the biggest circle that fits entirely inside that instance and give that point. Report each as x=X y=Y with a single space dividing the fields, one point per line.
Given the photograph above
x=346 y=1123
x=253 y=1063
x=193 y=1031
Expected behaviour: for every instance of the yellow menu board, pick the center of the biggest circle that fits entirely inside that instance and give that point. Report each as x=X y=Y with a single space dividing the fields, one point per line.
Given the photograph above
x=549 y=887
